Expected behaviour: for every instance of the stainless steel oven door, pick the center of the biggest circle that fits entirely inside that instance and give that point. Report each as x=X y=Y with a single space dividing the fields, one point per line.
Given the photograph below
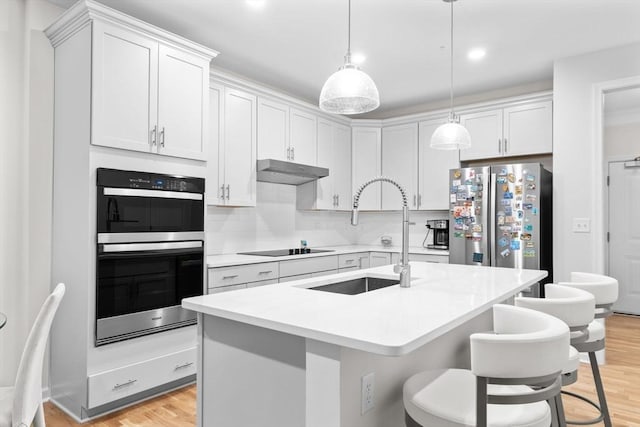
x=140 y=287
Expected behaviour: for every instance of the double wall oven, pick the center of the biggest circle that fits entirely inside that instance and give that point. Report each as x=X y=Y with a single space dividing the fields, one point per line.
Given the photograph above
x=150 y=252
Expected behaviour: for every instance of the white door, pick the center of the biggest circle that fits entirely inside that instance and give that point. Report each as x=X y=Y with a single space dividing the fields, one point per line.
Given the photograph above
x=624 y=237
x=342 y=166
x=273 y=130
x=433 y=169
x=303 y=137
x=124 y=85
x=528 y=129
x=366 y=164
x=400 y=163
x=215 y=151
x=485 y=129
x=325 y=196
x=240 y=148
x=183 y=103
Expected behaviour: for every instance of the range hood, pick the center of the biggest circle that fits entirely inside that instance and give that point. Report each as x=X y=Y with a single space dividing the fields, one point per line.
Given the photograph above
x=282 y=172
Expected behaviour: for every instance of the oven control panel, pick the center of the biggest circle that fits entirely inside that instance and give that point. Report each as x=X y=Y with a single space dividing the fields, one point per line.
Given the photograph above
x=150 y=181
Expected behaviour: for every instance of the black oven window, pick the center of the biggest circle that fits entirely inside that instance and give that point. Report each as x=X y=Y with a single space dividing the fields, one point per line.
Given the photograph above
x=125 y=214
x=134 y=282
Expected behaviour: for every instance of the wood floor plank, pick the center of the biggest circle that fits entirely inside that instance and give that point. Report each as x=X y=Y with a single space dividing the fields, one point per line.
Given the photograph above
x=620 y=375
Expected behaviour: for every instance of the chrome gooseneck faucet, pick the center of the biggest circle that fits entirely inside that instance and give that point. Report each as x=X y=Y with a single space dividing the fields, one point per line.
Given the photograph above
x=403 y=266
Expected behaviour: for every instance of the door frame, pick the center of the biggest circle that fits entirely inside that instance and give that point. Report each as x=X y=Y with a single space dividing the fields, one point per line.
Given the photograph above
x=599 y=188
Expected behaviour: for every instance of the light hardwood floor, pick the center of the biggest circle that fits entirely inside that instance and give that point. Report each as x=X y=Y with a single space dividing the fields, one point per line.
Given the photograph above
x=621 y=377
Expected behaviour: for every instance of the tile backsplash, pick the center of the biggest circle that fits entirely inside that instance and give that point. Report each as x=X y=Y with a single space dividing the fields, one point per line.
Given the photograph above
x=276 y=223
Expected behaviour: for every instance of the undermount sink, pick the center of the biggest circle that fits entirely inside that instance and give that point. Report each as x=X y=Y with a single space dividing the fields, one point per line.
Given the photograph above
x=356 y=286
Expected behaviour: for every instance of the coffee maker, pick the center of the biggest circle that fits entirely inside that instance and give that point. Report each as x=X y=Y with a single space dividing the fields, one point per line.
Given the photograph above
x=440 y=229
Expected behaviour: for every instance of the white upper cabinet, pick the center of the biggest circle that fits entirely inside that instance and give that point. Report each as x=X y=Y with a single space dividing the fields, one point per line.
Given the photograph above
x=273 y=130
x=148 y=96
x=286 y=133
x=528 y=129
x=231 y=170
x=366 y=143
x=433 y=167
x=334 y=152
x=302 y=137
x=520 y=130
x=400 y=163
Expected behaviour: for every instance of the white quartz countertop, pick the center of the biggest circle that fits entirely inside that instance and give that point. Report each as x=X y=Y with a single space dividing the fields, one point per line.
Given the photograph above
x=392 y=321
x=227 y=260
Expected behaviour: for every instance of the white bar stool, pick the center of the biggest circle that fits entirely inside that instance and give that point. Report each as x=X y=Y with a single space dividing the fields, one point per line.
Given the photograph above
x=514 y=370
x=605 y=291
x=576 y=308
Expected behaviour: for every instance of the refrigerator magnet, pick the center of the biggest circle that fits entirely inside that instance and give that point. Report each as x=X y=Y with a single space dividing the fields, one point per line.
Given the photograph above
x=457 y=174
x=472 y=173
x=525 y=236
x=518 y=189
x=507 y=195
x=505 y=253
x=515 y=245
x=528 y=227
x=520 y=214
x=503 y=171
x=458 y=234
x=529 y=253
x=452 y=198
x=500 y=220
x=507 y=210
x=529 y=244
x=477 y=228
x=515 y=235
x=531 y=186
x=503 y=241
x=534 y=211
x=456 y=182
x=501 y=180
x=530 y=178
x=530 y=197
x=511 y=177
x=527 y=206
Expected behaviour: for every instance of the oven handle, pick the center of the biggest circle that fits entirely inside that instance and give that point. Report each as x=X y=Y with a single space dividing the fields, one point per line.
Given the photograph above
x=163 y=246
x=138 y=192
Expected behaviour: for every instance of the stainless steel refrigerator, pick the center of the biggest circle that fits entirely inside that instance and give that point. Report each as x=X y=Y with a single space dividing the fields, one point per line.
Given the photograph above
x=501 y=216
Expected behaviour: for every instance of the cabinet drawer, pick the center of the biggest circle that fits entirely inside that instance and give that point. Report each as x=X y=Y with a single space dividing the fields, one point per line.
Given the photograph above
x=227 y=276
x=422 y=258
x=376 y=259
x=345 y=269
x=109 y=386
x=309 y=265
x=219 y=289
x=351 y=260
x=296 y=277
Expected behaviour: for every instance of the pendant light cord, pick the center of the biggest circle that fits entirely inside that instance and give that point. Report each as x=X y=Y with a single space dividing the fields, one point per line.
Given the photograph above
x=451 y=62
x=349 y=35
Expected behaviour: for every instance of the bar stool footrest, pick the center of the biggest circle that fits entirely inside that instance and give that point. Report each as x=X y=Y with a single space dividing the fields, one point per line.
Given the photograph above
x=590 y=402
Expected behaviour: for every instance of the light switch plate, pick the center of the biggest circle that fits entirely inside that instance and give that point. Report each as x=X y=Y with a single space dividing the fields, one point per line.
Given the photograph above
x=581 y=225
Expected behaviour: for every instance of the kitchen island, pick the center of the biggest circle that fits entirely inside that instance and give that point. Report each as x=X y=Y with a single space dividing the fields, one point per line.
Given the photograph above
x=285 y=355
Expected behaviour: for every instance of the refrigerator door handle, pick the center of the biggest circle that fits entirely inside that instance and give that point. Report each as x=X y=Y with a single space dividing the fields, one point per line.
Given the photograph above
x=492 y=220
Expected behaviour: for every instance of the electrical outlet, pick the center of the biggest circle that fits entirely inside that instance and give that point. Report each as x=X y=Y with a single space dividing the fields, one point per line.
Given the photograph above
x=581 y=225
x=368 y=392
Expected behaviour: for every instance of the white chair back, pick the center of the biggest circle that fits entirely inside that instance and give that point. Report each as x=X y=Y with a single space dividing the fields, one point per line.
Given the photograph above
x=524 y=344
x=28 y=387
x=603 y=288
x=574 y=306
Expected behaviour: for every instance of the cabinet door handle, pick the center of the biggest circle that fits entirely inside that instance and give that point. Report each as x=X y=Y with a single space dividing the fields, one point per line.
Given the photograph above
x=334 y=200
x=229 y=277
x=505 y=146
x=222 y=192
x=228 y=192
x=265 y=272
x=119 y=386
x=293 y=153
x=415 y=200
x=337 y=200
x=288 y=153
x=499 y=146
x=184 y=365
x=153 y=133
x=349 y=261
x=419 y=200
x=162 y=137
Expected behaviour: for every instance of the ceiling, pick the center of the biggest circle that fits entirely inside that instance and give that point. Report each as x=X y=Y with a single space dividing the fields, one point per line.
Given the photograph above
x=294 y=45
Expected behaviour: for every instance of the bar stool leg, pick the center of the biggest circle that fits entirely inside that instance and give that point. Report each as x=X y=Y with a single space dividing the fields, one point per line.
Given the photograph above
x=562 y=422
x=600 y=389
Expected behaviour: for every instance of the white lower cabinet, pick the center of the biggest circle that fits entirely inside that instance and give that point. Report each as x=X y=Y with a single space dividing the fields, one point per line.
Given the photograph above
x=296 y=277
x=395 y=258
x=224 y=279
x=308 y=266
x=377 y=259
x=115 y=384
x=358 y=260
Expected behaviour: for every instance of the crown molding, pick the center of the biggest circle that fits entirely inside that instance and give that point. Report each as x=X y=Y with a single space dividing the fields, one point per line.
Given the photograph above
x=84 y=12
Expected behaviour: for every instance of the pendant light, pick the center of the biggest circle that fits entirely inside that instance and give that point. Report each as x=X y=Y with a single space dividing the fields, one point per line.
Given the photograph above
x=349 y=90
x=451 y=135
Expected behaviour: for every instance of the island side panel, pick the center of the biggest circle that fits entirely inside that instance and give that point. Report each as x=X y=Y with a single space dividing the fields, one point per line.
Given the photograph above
x=251 y=376
x=450 y=350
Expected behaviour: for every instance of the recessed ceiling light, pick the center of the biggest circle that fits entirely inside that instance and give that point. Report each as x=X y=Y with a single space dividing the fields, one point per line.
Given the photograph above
x=358 y=58
x=256 y=4
x=476 y=54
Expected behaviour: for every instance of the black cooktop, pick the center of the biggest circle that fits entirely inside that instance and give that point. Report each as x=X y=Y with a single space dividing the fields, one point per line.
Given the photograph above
x=286 y=252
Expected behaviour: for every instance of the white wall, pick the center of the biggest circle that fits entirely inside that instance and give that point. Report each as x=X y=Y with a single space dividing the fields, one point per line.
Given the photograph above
x=26 y=117
x=622 y=140
x=576 y=156
x=275 y=223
